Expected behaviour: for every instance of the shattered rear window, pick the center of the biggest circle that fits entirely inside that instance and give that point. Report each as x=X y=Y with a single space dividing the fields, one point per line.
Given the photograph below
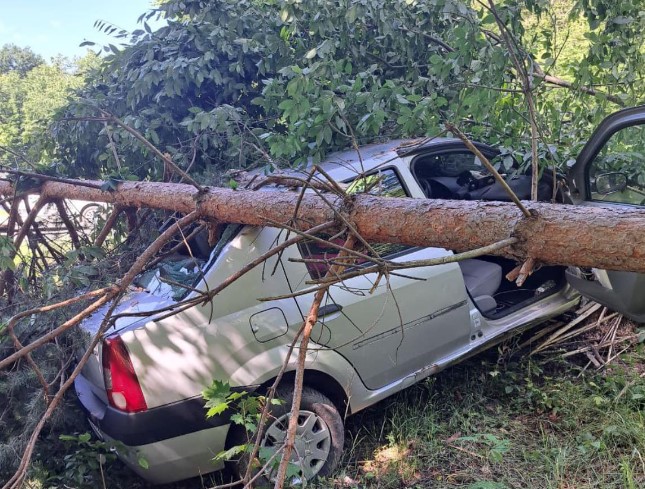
x=180 y=272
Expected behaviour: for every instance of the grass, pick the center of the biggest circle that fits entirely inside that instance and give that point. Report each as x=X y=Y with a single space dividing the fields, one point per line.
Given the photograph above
x=520 y=424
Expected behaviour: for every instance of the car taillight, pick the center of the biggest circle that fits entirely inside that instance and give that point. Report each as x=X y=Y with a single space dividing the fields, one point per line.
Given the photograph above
x=121 y=383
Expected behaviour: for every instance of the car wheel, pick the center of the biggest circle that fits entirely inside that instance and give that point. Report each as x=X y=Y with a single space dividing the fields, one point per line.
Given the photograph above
x=319 y=438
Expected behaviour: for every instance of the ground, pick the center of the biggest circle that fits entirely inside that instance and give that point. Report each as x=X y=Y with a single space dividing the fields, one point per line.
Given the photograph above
x=501 y=420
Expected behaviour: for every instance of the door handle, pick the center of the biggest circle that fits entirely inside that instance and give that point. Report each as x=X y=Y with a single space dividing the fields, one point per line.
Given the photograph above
x=329 y=309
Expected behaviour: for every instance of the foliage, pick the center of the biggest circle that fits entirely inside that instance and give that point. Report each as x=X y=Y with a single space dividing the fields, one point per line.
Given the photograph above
x=245 y=411
x=228 y=83
x=84 y=462
x=18 y=60
x=28 y=103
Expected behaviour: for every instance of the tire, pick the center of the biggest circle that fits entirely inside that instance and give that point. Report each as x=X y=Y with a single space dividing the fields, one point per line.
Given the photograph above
x=319 y=440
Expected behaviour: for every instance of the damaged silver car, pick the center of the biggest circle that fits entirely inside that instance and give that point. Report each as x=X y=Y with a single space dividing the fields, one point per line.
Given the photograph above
x=142 y=385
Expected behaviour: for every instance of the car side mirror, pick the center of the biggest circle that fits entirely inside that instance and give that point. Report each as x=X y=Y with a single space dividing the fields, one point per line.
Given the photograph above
x=608 y=183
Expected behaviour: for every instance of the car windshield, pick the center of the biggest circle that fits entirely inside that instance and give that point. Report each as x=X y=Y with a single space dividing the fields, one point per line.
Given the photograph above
x=178 y=272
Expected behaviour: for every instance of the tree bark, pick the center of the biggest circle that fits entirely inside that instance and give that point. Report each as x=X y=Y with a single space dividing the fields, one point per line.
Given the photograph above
x=609 y=237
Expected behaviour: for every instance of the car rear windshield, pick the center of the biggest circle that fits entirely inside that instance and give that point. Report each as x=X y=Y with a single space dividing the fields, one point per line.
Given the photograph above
x=179 y=271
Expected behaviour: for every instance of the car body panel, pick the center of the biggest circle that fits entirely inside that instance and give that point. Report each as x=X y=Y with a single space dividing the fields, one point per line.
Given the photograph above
x=404 y=323
x=176 y=458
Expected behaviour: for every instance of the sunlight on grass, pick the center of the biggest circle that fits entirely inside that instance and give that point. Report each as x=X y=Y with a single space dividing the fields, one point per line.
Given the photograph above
x=529 y=424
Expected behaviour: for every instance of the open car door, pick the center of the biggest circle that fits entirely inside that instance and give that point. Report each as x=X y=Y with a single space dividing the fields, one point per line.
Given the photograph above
x=610 y=170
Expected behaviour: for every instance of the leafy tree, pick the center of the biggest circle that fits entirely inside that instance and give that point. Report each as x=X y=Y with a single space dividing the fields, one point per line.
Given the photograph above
x=225 y=77
x=17 y=59
x=27 y=107
x=232 y=82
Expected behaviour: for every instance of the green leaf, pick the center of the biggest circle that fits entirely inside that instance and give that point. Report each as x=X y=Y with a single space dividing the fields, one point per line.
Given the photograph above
x=216 y=397
x=265 y=453
x=237 y=418
x=622 y=20
x=286 y=104
x=401 y=99
x=234 y=396
x=230 y=453
x=350 y=16
x=143 y=463
x=293 y=470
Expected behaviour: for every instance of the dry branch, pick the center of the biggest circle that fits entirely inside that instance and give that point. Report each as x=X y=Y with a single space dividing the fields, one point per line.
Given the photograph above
x=107 y=227
x=309 y=323
x=69 y=225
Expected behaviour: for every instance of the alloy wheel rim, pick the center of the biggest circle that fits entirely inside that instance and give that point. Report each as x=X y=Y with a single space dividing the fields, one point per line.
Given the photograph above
x=312 y=444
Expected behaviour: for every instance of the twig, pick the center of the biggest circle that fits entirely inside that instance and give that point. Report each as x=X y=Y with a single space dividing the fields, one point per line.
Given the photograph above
x=543 y=332
x=559 y=82
x=107 y=227
x=592 y=358
x=49 y=178
x=432 y=39
x=552 y=339
x=465 y=451
x=614 y=330
x=17 y=155
x=594 y=348
x=580 y=331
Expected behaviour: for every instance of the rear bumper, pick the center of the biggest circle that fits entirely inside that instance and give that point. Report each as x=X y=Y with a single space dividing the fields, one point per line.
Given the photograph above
x=150 y=426
x=176 y=441
x=176 y=458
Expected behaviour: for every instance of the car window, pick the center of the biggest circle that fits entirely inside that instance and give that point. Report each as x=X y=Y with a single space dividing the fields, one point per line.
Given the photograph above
x=385 y=183
x=179 y=271
x=451 y=164
x=617 y=173
x=455 y=163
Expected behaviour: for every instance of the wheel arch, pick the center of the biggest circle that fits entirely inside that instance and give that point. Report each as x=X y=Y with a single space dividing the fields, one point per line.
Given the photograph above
x=320 y=381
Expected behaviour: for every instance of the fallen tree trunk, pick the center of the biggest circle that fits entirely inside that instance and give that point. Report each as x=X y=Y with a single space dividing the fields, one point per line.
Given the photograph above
x=601 y=237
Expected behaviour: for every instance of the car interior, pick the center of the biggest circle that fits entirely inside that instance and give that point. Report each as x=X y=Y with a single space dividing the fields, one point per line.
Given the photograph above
x=459 y=175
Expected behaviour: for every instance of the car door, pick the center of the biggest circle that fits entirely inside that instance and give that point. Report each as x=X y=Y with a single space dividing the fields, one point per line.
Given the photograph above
x=611 y=171
x=390 y=328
